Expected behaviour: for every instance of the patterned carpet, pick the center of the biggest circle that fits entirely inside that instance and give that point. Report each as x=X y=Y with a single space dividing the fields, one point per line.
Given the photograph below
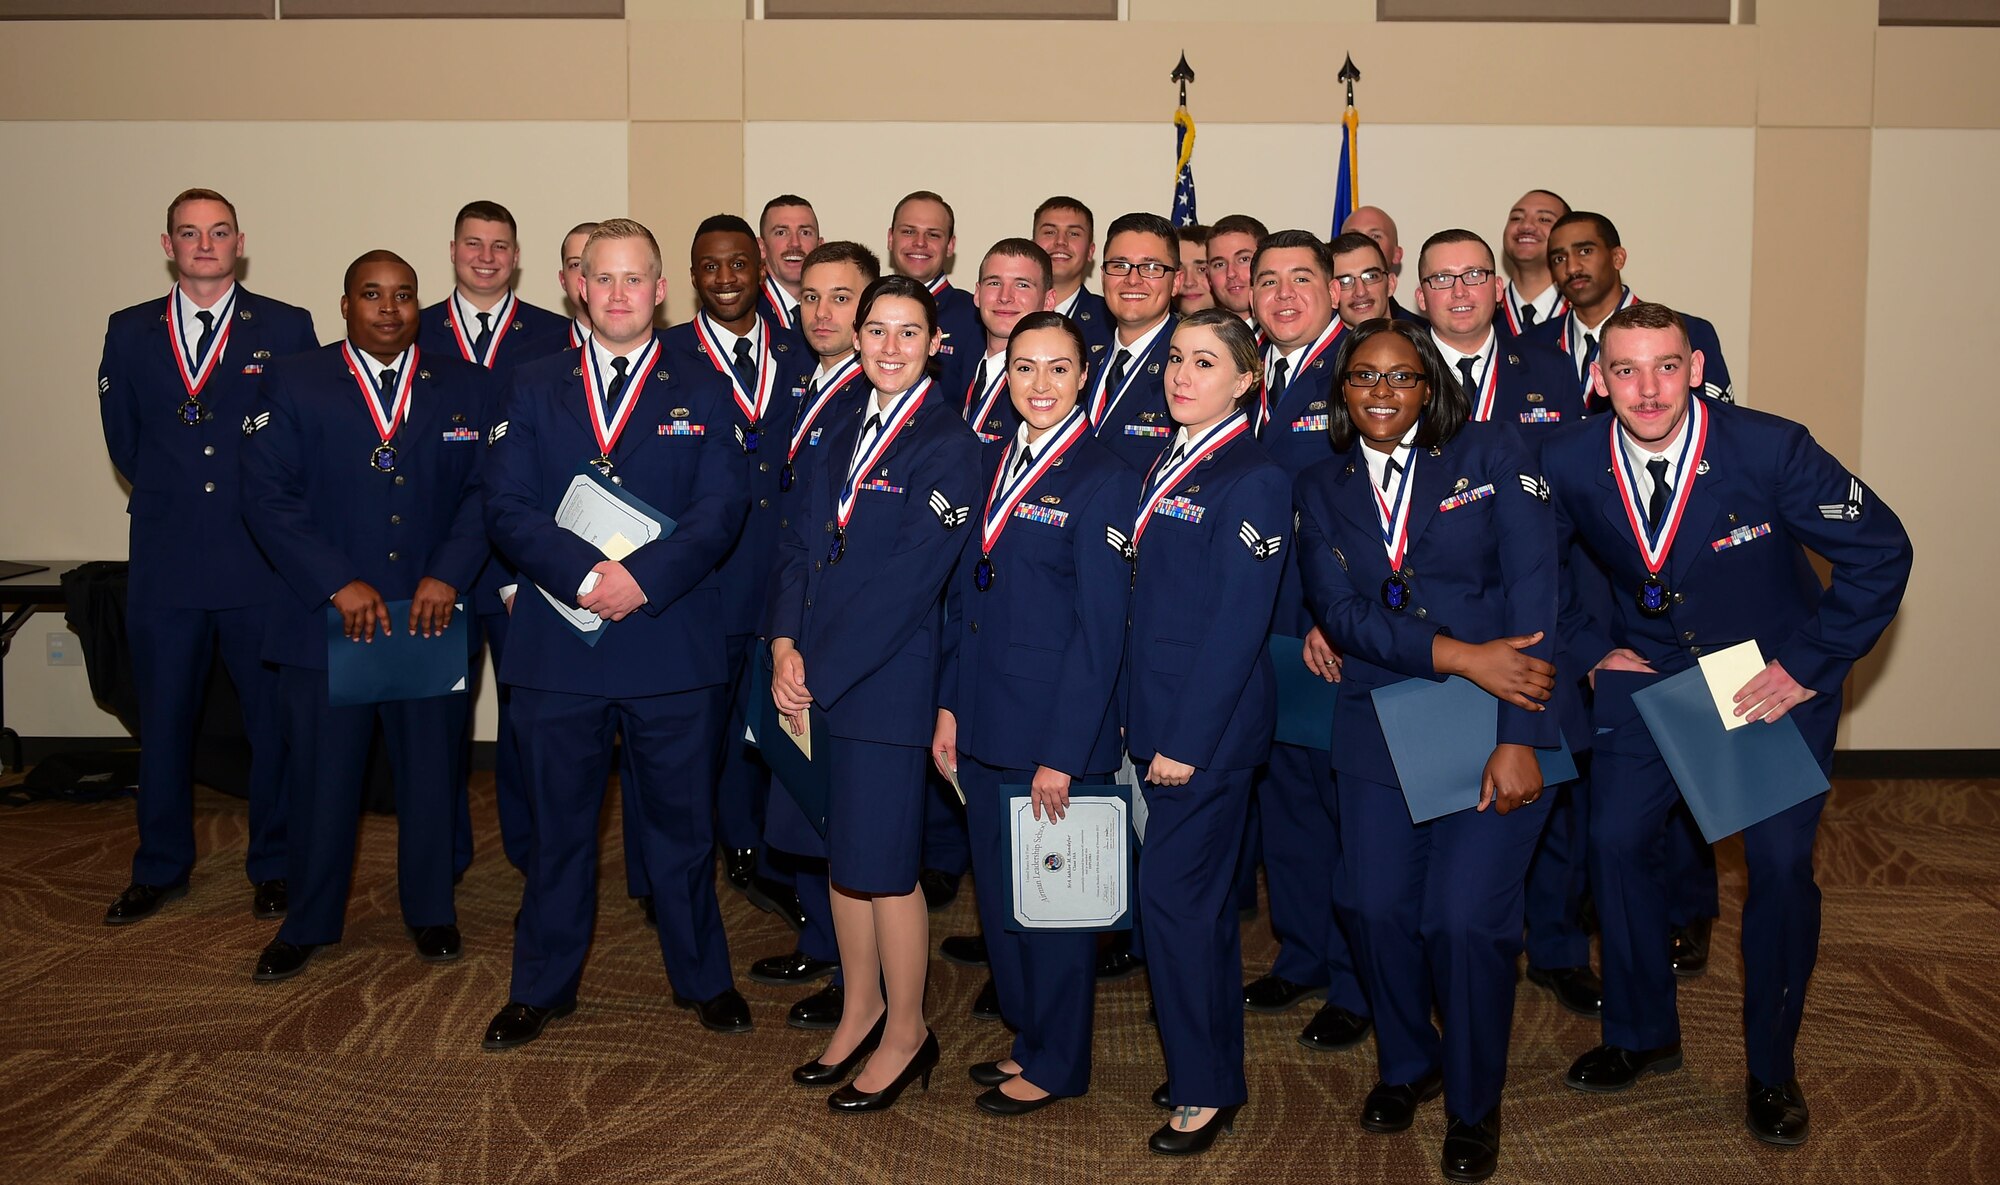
x=146 y=1054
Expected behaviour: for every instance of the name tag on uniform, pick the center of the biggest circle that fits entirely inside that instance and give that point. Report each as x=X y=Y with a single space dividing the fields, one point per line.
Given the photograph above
x=1309 y=424
x=1541 y=415
x=683 y=428
x=461 y=436
x=1180 y=508
x=1041 y=514
x=1740 y=536
x=1160 y=431
x=1458 y=500
x=881 y=487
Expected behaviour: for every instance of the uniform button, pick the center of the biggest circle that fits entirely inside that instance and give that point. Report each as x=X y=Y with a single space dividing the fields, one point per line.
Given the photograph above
x=399 y=479
x=395 y=520
x=763 y=466
x=207 y=450
x=1695 y=650
x=784 y=522
x=817 y=565
x=829 y=527
x=394 y=556
x=764 y=503
x=809 y=602
x=1423 y=612
x=1688 y=636
x=208 y=487
x=975 y=627
x=1678 y=598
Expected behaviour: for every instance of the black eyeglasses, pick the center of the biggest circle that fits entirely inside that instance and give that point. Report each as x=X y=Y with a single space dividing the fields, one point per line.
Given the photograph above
x=1150 y=269
x=1369 y=276
x=1472 y=277
x=1400 y=379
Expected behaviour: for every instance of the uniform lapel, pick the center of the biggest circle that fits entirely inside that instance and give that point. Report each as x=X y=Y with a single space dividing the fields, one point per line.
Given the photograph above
x=1433 y=481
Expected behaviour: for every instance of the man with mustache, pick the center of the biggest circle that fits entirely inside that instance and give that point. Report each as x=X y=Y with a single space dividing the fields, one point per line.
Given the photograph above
x=787 y=232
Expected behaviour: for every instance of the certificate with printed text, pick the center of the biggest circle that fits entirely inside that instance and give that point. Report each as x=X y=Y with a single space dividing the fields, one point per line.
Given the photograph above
x=1072 y=874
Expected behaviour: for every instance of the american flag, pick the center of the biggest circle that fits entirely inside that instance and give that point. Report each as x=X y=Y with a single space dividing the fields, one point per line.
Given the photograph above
x=1184 y=212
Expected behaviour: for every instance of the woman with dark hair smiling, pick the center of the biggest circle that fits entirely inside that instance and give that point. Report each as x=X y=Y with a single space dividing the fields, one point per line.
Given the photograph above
x=1428 y=549
x=1034 y=632
x=1212 y=521
x=854 y=621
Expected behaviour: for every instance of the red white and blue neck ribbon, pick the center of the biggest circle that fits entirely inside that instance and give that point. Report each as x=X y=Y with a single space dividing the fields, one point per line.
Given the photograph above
x=503 y=320
x=1572 y=332
x=195 y=372
x=1326 y=338
x=753 y=404
x=836 y=380
x=1161 y=480
x=1104 y=401
x=608 y=427
x=901 y=413
x=578 y=336
x=938 y=285
x=1393 y=514
x=781 y=302
x=1656 y=542
x=979 y=404
x=1001 y=500
x=1489 y=380
x=387 y=419
x=1510 y=308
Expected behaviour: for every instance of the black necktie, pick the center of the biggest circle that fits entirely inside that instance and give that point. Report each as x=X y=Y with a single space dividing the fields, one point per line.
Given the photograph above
x=746 y=366
x=1027 y=459
x=792 y=315
x=1471 y=385
x=1118 y=365
x=207 y=320
x=1657 y=504
x=866 y=438
x=1174 y=458
x=978 y=387
x=1390 y=471
x=617 y=387
x=1527 y=314
x=1589 y=353
x=484 y=335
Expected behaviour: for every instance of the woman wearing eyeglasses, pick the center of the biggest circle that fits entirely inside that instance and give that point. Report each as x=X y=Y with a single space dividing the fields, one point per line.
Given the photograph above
x=1428 y=550
x=1207 y=542
x=854 y=620
x=1034 y=632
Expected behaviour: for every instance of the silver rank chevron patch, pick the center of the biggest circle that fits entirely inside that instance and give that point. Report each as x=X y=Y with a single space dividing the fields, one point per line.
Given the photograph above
x=104 y=385
x=1120 y=542
x=952 y=517
x=494 y=433
x=1848 y=511
x=257 y=423
x=1535 y=486
x=1262 y=546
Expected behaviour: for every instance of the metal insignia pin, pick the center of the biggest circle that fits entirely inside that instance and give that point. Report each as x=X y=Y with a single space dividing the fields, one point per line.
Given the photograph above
x=1436 y=451
x=518 y=325
x=1534 y=397
x=1051 y=500
x=1316 y=405
x=458 y=417
x=423 y=373
x=660 y=375
x=1701 y=467
x=1513 y=360
x=1153 y=369
x=679 y=413
x=260 y=355
x=244 y=313
x=1318 y=362
x=884 y=473
x=578 y=372
x=1461 y=485
x=1192 y=490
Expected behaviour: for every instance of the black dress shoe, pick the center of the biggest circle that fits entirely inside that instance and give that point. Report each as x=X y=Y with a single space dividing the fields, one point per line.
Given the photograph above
x=270 y=900
x=986 y=1074
x=986 y=1006
x=438 y=944
x=1171 y=1141
x=1334 y=1028
x=1276 y=994
x=922 y=1062
x=819 y=1011
x=1690 y=956
x=1471 y=1150
x=518 y=1023
x=967 y=950
x=789 y=969
x=1161 y=1098
x=723 y=1013
x=141 y=901
x=739 y=865
x=940 y=888
x=281 y=960
x=772 y=897
x=1777 y=1114
x=1608 y=1069
x=646 y=909
x=999 y=1102
x=1114 y=965
x=1575 y=988
x=1392 y=1106
x=819 y=1073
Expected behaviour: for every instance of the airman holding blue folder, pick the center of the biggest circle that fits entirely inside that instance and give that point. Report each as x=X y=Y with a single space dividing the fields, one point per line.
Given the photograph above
x=1428 y=550
x=1701 y=513
x=361 y=483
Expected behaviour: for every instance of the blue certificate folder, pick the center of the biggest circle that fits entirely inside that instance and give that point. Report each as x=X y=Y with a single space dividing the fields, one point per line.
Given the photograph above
x=1730 y=778
x=1440 y=736
x=397 y=664
x=805 y=781
x=1305 y=700
x=595 y=521
x=1021 y=879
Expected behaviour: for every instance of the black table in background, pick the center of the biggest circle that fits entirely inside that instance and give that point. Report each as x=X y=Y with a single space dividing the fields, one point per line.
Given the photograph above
x=21 y=596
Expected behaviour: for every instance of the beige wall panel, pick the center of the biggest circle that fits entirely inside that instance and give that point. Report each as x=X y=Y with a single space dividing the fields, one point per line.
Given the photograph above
x=1811 y=230
x=687 y=70
x=687 y=10
x=1352 y=11
x=1815 y=74
x=1931 y=684
x=1677 y=75
x=309 y=204
x=1689 y=246
x=1937 y=78
x=308 y=70
x=682 y=173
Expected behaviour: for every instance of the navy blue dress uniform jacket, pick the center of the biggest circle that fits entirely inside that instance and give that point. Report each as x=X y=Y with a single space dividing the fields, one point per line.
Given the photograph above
x=746 y=572
x=1738 y=569
x=868 y=626
x=1093 y=316
x=326 y=517
x=1138 y=427
x=1031 y=664
x=964 y=337
x=678 y=455
x=1198 y=679
x=532 y=333
x=1295 y=437
x=1533 y=392
x=189 y=547
x=1554 y=335
x=1481 y=563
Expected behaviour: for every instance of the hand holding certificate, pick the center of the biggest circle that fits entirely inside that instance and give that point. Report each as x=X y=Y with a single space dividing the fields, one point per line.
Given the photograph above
x=1073 y=873
x=612 y=521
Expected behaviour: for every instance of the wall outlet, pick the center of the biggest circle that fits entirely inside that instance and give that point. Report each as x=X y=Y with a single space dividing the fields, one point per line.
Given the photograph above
x=64 y=650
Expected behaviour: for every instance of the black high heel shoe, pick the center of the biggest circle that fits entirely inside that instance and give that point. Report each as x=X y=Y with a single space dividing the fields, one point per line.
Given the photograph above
x=819 y=1073
x=1171 y=1141
x=921 y=1063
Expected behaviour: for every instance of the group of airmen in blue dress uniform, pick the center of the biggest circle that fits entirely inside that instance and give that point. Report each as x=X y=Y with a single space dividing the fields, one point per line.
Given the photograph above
x=1026 y=535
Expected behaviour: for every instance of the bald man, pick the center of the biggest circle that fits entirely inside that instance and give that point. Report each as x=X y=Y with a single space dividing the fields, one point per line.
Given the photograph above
x=1375 y=222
